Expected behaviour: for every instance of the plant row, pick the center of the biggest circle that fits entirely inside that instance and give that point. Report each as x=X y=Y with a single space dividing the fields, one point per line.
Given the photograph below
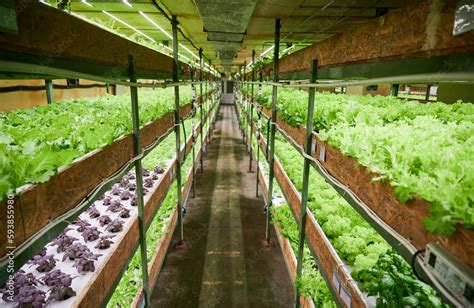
x=379 y=271
x=425 y=151
x=35 y=142
x=63 y=268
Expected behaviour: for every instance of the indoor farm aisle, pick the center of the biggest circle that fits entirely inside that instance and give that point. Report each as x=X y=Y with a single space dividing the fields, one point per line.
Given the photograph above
x=225 y=263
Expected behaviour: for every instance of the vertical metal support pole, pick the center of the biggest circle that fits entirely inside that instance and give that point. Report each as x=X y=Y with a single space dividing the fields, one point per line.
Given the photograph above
x=304 y=194
x=244 y=113
x=258 y=154
x=107 y=88
x=137 y=149
x=192 y=136
x=49 y=91
x=258 y=139
x=200 y=107
x=427 y=96
x=272 y=129
x=174 y=24
x=207 y=112
x=251 y=114
x=395 y=88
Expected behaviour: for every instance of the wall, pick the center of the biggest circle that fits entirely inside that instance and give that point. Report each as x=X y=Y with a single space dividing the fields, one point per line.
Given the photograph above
x=450 y=93
x=382 y=89
x=28 y=99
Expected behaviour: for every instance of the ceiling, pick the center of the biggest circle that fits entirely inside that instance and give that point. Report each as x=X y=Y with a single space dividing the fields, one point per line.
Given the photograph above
x=228 y=31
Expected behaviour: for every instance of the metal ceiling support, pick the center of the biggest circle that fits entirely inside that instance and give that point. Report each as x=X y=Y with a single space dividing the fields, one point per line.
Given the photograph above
x=49 y=90
x=251 y=113
x=137 y=149
x=304 y=193
x=174 y=24
x=272 y=129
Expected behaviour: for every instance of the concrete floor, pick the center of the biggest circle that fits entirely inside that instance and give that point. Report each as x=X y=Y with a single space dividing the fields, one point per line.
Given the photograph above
x=225 y=264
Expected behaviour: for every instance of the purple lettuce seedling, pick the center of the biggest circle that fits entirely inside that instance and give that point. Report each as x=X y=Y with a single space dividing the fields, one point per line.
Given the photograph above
x=104 y=220
x=115 y=226
x=125 y=213
x=90 y=234
x=76 y=251
x=145 y=172
x=57 y=278
x=30 y=296
x=93 y=212
x=133 y=202
x=60 y=293
x=159 y=170
x=132 y=186
x=116 y=190
x=63 y=241
x=115 y=207
x=45 y=263
x=131 y=176
x=82 y=224
x=20 y=280
x=61 y=285
x=106 y=201
x=125 y=195
x=124 y=182
x=148 y=183
x=104 y=242
x=86 y=264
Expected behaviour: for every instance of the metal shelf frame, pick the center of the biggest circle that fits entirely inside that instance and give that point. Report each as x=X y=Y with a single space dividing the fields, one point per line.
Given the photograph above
x=21 y=65
x=427 y=72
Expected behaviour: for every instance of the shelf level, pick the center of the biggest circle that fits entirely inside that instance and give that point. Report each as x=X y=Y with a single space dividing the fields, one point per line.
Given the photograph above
x=40 y=207
x=53 y=39
x=421 y=32
x=380 y=206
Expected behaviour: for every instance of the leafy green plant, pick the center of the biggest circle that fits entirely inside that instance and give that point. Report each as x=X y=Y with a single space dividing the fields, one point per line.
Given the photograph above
x=35 y=142
x=355 y=241
x=395 y=285
x=390 y=137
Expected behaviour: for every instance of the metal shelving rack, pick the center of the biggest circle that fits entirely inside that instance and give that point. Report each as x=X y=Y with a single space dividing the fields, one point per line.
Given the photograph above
x=21 y=56
x=305 y=141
